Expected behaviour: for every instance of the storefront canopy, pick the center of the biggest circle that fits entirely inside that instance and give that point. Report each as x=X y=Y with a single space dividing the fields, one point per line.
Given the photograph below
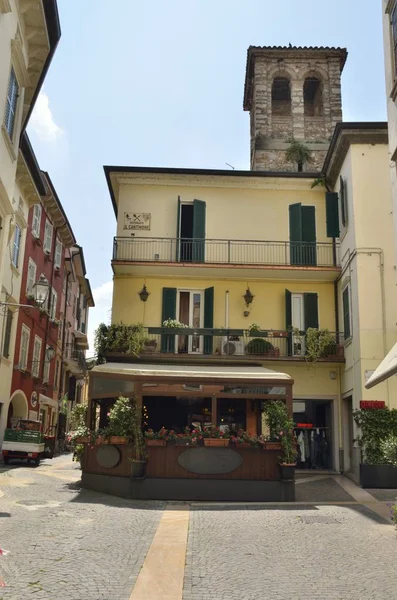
x=190 y=372
x=386 y=369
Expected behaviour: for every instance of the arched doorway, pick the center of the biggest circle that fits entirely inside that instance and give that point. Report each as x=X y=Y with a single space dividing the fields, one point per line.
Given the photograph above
x=18 y=408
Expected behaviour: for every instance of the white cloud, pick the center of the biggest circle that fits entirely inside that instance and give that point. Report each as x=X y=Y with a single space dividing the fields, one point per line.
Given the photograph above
x=100 y=313
x=42 y=121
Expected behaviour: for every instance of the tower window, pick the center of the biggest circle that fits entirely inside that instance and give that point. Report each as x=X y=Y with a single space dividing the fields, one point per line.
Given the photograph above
x=313 y=97
x=281 y=97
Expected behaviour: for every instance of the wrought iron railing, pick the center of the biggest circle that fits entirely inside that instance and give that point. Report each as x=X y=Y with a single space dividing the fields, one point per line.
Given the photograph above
x=72 y=353
x=233 y=343
x=247 y=252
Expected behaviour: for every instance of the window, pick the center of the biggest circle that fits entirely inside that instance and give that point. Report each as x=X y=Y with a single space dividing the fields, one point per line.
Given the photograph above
x=343 y=201
x=31 y=280
x=7 y=334
x=47 y=236
x=281 y=97
x=69 y=298
x=36 y=220
x=58 y=254
x=393 y=22
x=47 y=364
x=313 y=97
x=11 y=103
x=36 y=356
x=16 y=245
x=53 y=306
x=24 y=350
x=346 y=312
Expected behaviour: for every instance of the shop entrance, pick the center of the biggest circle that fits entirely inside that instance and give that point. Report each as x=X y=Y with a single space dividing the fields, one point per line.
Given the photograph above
x=314 y=433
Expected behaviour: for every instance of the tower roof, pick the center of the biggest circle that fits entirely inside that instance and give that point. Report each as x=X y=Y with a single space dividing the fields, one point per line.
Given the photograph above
x=295 y=52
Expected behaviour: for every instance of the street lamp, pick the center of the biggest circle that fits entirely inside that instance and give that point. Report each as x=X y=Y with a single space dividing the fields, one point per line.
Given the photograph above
x=50 y=353
x=41 y=289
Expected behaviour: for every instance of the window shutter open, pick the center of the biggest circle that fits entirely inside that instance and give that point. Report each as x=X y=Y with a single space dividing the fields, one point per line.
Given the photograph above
x=178 y=231
x=346 y=312
x=199 y=213
x=332 y=214
x=168 y=312
x=343 y=201
x=7 y=334
x=295 y=233
x=17 y=241
x=311 y=310
x=288 y=319
x=208 y=318
x=309 y=254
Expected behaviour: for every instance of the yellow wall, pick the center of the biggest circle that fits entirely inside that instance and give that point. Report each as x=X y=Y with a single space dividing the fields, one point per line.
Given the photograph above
x=268 y=307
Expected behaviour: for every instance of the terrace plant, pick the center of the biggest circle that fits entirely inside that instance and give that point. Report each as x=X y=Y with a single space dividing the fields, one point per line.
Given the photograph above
x=124 y=339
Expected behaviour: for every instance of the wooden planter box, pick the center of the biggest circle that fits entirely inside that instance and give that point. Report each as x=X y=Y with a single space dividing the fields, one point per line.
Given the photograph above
x=216 y=442
x=82 y=440
x=273 y=445
x=378 y=476
x=155 y=442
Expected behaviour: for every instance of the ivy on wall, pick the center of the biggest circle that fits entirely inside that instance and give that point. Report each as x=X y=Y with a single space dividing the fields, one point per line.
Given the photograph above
x=375 y=426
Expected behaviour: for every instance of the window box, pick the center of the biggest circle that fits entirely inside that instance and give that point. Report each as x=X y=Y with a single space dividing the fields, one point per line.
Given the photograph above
x=216 y=442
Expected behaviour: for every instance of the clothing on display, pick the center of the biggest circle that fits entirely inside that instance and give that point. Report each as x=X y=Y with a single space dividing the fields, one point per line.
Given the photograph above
x=313 y=448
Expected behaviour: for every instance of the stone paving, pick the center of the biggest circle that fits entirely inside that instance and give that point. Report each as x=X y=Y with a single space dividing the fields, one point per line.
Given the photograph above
x=69 y=543
x=80 y=545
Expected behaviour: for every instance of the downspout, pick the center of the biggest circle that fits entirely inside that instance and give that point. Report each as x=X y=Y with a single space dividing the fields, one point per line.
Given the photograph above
x=61 y=373
x=227 y=309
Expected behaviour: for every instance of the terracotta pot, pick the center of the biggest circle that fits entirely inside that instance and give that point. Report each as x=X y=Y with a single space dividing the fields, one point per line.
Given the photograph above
x=155 y=442
x=82 y=440
x=216 y=442
x=138 y=468
x=273 y=446
x=118 y=439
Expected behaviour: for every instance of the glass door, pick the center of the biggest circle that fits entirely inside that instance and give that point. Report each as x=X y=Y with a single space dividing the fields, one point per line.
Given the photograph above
x=191 y=313
x=298 y=322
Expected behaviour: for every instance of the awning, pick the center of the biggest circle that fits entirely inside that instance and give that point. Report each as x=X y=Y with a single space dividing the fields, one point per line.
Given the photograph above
x=386 y=369
x=47 y=401
x=190 y=371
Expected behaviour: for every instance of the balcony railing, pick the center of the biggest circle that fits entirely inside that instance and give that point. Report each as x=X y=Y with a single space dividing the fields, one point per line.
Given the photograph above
x=72 y=354
x=235 y=343
x=233 y=252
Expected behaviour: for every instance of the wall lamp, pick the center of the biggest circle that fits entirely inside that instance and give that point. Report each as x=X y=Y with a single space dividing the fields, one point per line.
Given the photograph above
x=144 y=294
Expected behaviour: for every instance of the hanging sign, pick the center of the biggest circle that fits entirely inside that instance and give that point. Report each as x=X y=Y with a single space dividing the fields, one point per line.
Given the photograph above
x=372 y=404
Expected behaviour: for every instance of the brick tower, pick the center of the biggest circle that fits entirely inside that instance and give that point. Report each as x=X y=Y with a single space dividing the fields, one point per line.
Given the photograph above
x=292 y=93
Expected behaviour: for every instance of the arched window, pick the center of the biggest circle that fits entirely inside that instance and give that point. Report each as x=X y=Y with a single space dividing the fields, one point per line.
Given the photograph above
x=313 y=97
x=281 y=97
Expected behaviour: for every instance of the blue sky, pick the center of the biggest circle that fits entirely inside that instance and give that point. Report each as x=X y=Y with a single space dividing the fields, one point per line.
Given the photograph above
x=156 y=83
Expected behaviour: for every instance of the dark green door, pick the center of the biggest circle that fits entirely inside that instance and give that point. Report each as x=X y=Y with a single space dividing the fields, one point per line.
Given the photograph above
x=309 y=253
x=199 y=210
x=178 y=231
x=168 y=312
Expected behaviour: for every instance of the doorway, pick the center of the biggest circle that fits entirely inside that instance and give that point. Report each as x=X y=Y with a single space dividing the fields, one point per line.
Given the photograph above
x=186 y=233
x=298 y=322
x=190 y=310
x=313 y=428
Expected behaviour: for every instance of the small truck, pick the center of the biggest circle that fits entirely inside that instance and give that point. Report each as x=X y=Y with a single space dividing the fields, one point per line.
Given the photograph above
x=25 y=441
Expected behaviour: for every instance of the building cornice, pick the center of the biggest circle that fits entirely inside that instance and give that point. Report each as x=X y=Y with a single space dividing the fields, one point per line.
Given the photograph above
x=345 y=135
x=53 y=206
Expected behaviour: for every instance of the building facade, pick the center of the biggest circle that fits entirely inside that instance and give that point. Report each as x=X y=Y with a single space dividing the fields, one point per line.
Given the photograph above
x=29 y=33
x=292 y=93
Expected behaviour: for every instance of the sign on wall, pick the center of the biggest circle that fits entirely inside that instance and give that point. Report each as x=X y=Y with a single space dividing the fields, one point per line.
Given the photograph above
x=372 y=404
x=137 y=221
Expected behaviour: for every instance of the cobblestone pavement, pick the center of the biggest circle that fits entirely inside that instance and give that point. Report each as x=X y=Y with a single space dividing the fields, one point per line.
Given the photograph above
x=290 y=553
x=69 y=543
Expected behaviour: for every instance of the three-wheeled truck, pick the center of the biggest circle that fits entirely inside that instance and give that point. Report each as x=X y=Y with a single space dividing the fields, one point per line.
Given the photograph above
x=27 y=441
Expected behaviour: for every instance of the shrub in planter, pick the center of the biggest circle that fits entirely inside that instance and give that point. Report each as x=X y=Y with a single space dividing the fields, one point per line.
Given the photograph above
x=259 y=346
x=281 y=430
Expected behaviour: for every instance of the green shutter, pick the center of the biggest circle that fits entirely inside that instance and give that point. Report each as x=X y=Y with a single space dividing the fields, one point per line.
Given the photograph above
x=332 y=214
x=288 y=319
x=311 y=310
x=208 y=318
x=199 y=210
x=7 y=334
x=295 y=233
x=343 y=201
x=168 y=312
x=309 y=254
x=346 y=312
x=178 y=232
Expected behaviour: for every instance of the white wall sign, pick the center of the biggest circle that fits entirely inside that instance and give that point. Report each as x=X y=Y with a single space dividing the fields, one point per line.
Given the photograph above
x=137 y=221
x=33 y=416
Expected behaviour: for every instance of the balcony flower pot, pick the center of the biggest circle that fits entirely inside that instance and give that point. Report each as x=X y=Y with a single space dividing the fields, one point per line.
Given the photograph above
x=138 y=468
x=216 y=442
x=155 y=442
x=287 y=472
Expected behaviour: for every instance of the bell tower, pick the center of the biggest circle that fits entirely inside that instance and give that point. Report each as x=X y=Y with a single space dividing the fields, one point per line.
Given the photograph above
x=292 y=94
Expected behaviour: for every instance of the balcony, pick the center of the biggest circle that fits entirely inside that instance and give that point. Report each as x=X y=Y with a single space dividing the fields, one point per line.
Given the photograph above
x=154 y=253
x=230 y=344
x=75 y=359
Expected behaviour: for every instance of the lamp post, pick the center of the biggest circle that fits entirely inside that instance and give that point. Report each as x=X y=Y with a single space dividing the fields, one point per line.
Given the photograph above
x=40 y=290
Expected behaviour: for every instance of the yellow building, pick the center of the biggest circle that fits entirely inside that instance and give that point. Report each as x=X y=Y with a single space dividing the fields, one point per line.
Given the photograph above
x=261 y=268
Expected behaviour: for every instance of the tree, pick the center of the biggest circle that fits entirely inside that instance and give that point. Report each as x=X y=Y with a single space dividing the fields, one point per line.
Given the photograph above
x=298 y=153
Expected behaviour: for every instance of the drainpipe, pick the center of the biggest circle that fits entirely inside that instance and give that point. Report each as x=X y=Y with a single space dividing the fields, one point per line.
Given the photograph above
x=227 y=309
x=61 y=373
x=49 y=302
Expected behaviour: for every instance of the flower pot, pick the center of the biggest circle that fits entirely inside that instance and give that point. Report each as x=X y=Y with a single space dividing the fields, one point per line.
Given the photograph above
x=287 y=472
x=155 y=442
x=216 y=442
x=273 y=445
x=118 y=439
x=138 y=468
x=82 y=440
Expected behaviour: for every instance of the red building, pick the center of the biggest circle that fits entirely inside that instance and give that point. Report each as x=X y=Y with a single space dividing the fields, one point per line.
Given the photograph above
x=38 y=348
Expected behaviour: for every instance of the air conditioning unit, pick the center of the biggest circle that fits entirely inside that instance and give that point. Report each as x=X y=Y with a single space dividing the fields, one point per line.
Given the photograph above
x=233 y=345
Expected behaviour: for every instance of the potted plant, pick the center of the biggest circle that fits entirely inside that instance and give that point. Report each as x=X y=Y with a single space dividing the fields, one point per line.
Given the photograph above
x=243 y=439
x=260 y=346
x=156 y=438
x=139 y=458
x=281 y=432
x=174 y=324
x=121 y=419
x=254 y=327
x=213 y=436
x=187 y=438
x=298 y=153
